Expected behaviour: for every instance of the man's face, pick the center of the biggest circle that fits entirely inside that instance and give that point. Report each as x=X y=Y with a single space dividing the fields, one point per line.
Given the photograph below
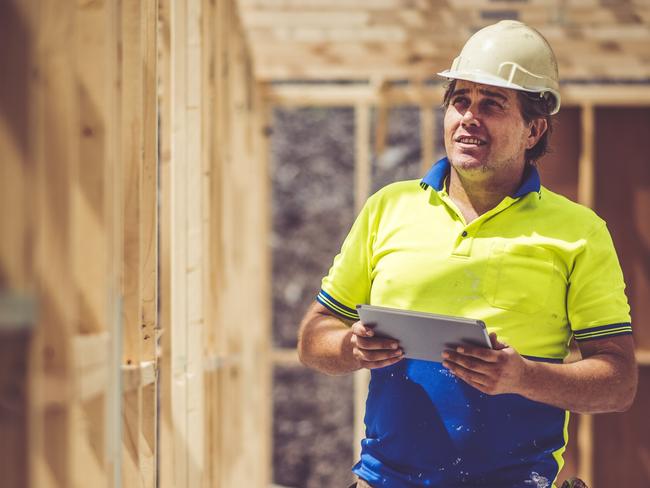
x=484 y=130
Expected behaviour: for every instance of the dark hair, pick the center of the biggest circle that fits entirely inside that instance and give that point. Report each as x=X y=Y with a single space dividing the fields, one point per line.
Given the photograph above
x=531 y=106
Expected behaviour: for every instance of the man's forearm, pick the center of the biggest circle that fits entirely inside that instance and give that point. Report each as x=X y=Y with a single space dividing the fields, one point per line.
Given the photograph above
x=324 y=344
x=596 y=384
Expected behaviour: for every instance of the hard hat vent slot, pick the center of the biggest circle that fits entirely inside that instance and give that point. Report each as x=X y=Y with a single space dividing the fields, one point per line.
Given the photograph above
x=519 y=76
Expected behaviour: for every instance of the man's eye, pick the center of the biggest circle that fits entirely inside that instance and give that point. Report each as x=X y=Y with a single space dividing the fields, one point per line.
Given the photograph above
x=493 y=103
x=460 y=100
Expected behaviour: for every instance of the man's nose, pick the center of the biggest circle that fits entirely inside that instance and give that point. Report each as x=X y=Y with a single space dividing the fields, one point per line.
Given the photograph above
x=469 y=117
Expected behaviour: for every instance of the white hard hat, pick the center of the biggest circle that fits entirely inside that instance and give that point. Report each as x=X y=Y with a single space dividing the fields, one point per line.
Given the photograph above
x=509 y=54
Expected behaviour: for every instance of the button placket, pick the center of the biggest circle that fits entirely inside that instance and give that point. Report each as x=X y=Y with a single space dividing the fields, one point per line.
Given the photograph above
x=463 y=245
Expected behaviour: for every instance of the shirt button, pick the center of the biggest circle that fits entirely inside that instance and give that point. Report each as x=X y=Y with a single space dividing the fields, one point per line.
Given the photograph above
x=464 y=234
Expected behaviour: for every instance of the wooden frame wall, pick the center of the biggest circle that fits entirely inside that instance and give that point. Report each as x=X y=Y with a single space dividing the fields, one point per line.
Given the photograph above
x=215 y=271
x=79 y=268
x=580 y=460
x=60 y=131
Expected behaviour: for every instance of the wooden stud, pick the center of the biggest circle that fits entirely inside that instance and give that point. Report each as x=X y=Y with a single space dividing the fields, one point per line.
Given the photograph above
x=113 y=210
x=166 y=466
x=427 y=137
x=212 y=29
x=381 y=118
x=16 y=99
x=149 y=245
x=193 y=269
x=258 y=367
x=381 y=129
x=56 y=157
x=217 y=329
x=178 y=326
x=139 y=157
x=18 y=31
x=234 y=252
x=132 y=147
x=585 y=448
x=586 y=186
x=362 y=170
x=149 y=180
x=95 y=40
x=91 y=42
x=230 y=445
x=362 y=177
x=71 y=117
x=586 y=176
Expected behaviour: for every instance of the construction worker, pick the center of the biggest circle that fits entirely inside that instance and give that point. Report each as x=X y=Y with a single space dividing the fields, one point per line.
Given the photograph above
x=479 y=237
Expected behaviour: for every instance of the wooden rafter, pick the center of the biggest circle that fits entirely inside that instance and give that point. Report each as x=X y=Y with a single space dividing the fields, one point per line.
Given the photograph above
x=399 y=39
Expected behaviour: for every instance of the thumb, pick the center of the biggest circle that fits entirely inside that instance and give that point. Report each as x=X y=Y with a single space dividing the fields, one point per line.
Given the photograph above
x=495 y=342
x=360 y=329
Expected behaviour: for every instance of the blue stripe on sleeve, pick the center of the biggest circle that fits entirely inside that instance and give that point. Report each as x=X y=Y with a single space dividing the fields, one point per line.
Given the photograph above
x=609 y=330
x=335 y=306
x=542 y=360
x=604 y=335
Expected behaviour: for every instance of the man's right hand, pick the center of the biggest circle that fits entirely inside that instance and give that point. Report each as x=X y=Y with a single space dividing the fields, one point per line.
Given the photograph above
x=373 y=352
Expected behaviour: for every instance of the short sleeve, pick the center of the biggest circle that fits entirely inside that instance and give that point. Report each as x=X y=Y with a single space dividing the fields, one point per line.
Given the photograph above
x=349 y=279
x=596 y=303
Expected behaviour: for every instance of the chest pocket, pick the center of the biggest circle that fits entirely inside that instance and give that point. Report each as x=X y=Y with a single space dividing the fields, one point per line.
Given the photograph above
x=518 y=277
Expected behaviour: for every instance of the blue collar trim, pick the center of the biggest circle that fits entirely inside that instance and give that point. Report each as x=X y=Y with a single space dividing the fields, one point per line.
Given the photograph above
x=531 y=182
x=436 y=175
x=435 y=178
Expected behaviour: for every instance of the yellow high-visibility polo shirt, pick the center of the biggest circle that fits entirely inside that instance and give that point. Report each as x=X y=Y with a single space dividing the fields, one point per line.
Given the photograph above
x=537 y=269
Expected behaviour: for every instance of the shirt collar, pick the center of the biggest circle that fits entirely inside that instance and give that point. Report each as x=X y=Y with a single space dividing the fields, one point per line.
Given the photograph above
x=435 y=178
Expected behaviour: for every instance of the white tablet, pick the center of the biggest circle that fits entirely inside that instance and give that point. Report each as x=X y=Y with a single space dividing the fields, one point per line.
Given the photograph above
x=424 y=335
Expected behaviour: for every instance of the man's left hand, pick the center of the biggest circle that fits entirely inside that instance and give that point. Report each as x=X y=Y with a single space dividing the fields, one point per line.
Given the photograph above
x=492 y=371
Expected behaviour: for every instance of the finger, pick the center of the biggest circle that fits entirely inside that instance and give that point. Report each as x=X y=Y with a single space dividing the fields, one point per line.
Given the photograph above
x=496 y=344
x=376 y=343
x=360 y=329
x=467 y=375
x=480 y=387
x=487 y=355
x=380 y=364
x=469 y=362
x=381 y=355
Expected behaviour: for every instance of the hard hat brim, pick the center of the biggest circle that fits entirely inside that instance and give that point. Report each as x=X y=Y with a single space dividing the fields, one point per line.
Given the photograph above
x=488 y=79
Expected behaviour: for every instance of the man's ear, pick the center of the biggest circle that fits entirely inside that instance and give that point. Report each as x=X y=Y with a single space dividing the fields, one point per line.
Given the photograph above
x=538 y=127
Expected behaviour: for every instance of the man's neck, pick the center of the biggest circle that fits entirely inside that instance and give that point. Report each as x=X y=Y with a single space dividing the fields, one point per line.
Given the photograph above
x=475 y=197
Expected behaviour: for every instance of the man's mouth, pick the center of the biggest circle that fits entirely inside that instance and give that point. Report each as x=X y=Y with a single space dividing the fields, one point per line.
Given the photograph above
x=474 y=141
